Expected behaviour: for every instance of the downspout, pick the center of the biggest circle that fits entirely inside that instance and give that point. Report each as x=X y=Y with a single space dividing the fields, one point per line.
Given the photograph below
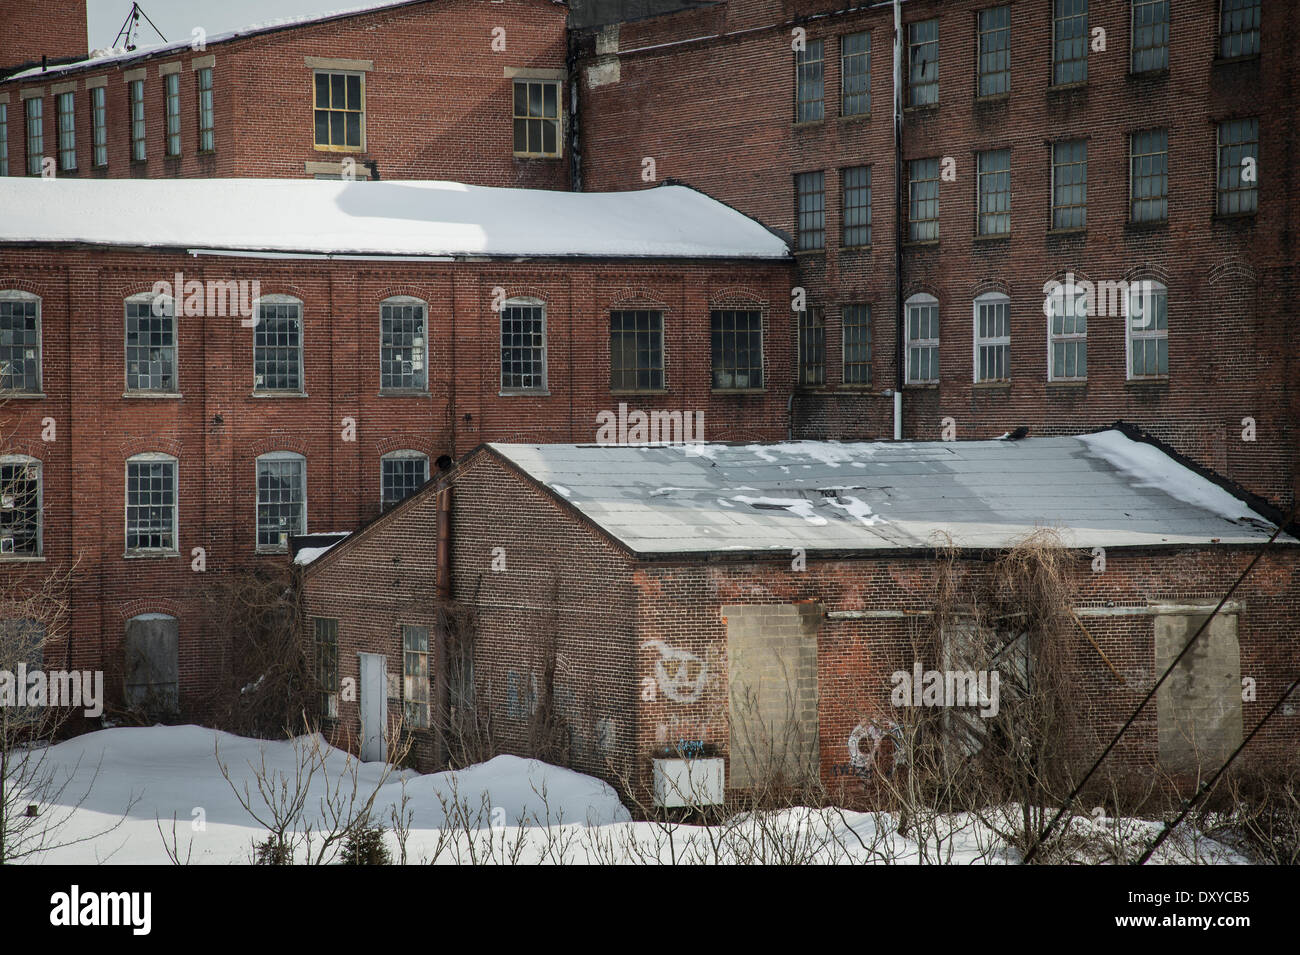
x=444 y=542
x=900 y=198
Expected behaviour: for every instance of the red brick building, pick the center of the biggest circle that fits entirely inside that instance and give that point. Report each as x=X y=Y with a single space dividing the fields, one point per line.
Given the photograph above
x=413 y=89
x=390 y=324
x=1111 y=140
x=53 y=30
x=650 y=592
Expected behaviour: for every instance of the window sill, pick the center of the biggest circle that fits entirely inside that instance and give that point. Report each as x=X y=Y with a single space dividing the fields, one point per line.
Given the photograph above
x=1001 y=238
x=270 y=552
x=150 y=554
x=993 y=99
x=140 y=162
x=1067 y=233
x=1157 y=384
x=205 y=152
x=855 y=388
x=638 y=391
x=1230 y=60
x=737 y=391
x=1004 y=386
x=921 y=244
x=171 y=158
x=151 y=394
x=1066 y=384
x=524 y=393
x=357 y=150
x=278 y=394
x=854 y=118
x=20 y=559
x=806 y=253
x=1159 y=74
x=403 y=393
x=922 y=109
x=1067 y=87
x=856 y=248
x=550 y=157
x=808 y=124
x=921 y=386
x=1233 y=217
x=22 y=395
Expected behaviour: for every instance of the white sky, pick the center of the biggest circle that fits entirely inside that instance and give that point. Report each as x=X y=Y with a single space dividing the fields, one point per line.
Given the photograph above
x=176 y=18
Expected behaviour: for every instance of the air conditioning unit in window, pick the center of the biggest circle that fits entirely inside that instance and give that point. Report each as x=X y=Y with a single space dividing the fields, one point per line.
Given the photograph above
x=6 y=545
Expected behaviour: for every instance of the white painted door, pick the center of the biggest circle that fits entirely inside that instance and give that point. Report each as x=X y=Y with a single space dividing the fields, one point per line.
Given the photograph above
x=374 y=706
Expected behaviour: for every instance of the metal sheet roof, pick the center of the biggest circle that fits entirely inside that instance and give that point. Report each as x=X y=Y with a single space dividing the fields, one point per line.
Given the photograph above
x=1097 y=490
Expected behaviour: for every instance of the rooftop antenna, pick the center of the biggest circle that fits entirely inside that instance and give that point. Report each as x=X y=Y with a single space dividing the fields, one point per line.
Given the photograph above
x=131 y=24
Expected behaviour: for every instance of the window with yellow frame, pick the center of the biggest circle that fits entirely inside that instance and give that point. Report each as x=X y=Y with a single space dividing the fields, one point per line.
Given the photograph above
x=537 y=118
x=340 y=111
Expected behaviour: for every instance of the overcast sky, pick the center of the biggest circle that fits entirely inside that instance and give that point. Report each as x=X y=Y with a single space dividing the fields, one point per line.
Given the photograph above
x=176 y=18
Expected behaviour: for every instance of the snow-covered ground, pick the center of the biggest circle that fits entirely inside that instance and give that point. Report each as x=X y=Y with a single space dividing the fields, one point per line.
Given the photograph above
x=506 y=810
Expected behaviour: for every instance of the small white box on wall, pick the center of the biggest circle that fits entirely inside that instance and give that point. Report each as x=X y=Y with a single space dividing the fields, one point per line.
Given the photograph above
x=689 y=782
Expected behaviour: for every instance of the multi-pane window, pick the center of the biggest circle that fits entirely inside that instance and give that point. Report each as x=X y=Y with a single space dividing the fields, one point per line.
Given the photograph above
x=737 y=338
x=1149 y=176
x=1238 y=28
x=1067 y=334
x=992 y=337
x=523 y=345
x=35 y=135
x=923 y=200
x=810 y=201
x=4 y=139
x=1070 y=184
x=1069 y=41
x=65 y=110
x=537 y=118
x=1150 y=36
x=922 y=340
x=20 y=506
x=415 y=677
x=172 y=112
x=994 y=51
x=856 y=326
x=923 y=63
x=809 y=83
x=327 y=665
x=340 y=111
x=281 y=499
x=99 y=127
x=1238 y=166
x=402 y=344
x=401 y=474
x=993 y=172
x=855 y=198
x=151 y=503
x=636 y=350
x=812 y=347
x=1148 y=330
x=20 y=342
x=277 y=345
x=150 y=344
x=207 y=121
x=855 y=74
x=135 y=96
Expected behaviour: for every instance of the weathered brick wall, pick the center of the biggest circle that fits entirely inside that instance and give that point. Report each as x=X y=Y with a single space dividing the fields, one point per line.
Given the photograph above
x=438 y=102
x=708 y=94
x=217 y=428
x=54 y=28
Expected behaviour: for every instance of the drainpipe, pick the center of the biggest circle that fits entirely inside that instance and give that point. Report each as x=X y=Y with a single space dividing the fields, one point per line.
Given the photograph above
x=444 y=542
x=900 y=355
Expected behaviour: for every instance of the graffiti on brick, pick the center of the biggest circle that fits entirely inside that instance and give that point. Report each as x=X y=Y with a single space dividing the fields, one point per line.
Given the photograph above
x=864 y=745
x=679 y=674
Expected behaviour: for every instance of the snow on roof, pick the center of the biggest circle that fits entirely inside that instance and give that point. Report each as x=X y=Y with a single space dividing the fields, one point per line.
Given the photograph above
x=417 y=218
x=1097 y=490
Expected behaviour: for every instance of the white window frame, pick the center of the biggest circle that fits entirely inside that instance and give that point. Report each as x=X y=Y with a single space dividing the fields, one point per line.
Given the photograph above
x=406 y=454
x=525 y=301
x=98 y=127
x=1131 y=334
x=915 y=301
x=141 y=299
x=994 y=341
x=151 y=457
x=1067 y=337
x=66 y=135
x=16 y=295
x=281 y=299
x=28 y=461
x=405 y=301
x=274 y=456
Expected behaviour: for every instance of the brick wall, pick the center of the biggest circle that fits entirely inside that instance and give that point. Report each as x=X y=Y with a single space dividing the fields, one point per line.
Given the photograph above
x=54 y=28
x=709 y=96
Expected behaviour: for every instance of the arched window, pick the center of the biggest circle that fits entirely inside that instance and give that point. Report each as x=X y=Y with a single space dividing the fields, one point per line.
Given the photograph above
x=1145 y=314
x=151 y=504
x=20 y=342
x=992 y=337
x=523 y=346
x=401 y=475
x=403 y=348
x=281 y=500
x=922 y=338
x=20 y=506
x=151 y=343
x=277 y=345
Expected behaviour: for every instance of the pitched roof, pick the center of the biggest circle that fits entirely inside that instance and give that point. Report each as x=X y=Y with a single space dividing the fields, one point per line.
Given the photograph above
x=1102 y=489
x=416 y=218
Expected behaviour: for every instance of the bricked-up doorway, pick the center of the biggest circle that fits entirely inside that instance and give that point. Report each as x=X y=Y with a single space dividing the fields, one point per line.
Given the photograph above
x=772 y=654
x=151 y=658
x=1199 y=707
x=374 y=706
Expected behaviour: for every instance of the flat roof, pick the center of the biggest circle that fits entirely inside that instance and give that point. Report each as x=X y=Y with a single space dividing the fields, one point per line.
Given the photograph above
x=1098 y=490
x=422 y=218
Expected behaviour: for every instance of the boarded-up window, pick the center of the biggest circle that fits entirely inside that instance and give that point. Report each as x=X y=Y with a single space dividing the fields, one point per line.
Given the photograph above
x=1199 y=707
x=151 y=675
